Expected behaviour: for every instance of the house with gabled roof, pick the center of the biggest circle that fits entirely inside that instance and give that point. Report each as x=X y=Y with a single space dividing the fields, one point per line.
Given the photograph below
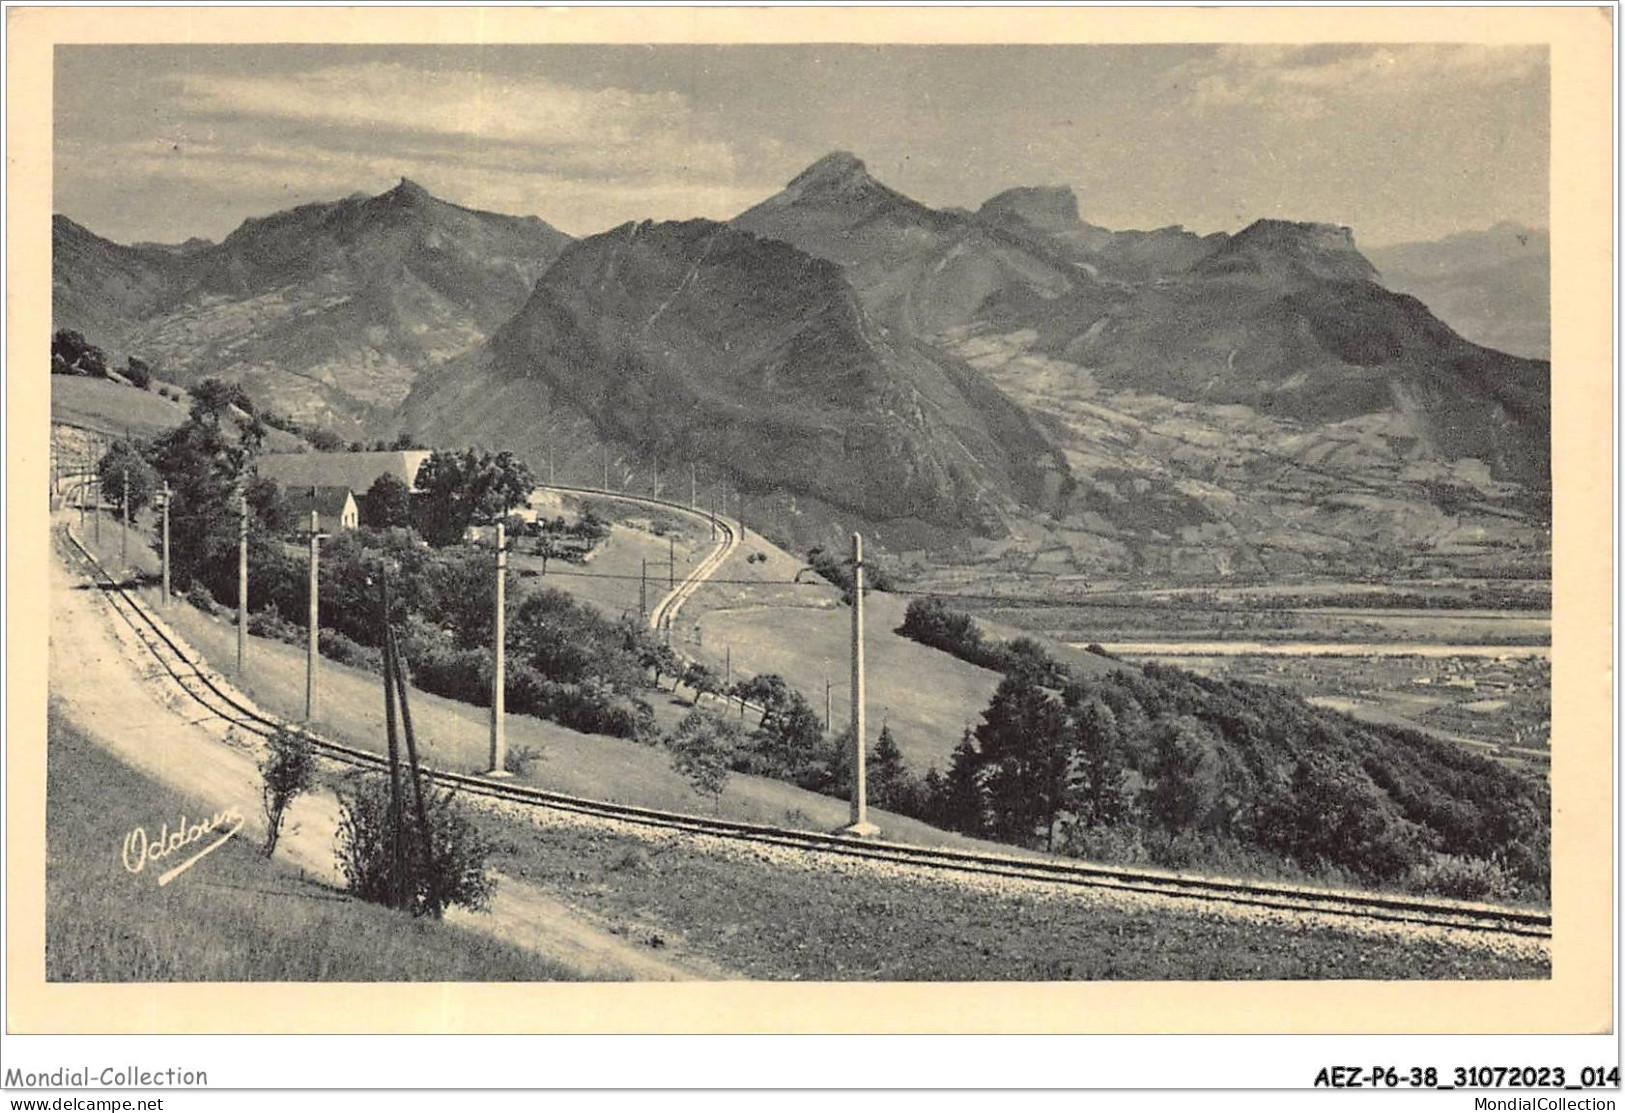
x=335 y=507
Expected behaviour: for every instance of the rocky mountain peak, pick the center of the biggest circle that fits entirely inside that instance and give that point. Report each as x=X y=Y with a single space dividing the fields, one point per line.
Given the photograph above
x=1049 y=208
x=1299 y=249
x=409 y=191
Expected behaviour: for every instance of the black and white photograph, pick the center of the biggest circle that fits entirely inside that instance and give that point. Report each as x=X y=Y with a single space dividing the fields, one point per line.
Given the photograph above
x=850 y=512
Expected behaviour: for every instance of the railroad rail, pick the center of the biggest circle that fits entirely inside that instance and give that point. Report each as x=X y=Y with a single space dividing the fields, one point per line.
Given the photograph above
x=196 y=681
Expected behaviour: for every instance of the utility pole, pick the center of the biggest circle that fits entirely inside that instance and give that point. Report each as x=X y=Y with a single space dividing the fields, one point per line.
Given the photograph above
x=693 y=487
x=98 y=526
x=242 y=581
x=713 y=513
x=311 y=642
x=124 y=537
x=827 y=687
x=728 y=666
x=643 y=593
x=550 y=465
x=499 y=674
x=397 y=874
x=83 y=483
x=167 y=493
x=606 y=467
x=860 y=824
x=671 y=563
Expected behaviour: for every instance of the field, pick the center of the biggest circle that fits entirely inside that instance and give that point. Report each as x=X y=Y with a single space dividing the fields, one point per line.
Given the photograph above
x=235 y=917
x=112 y=407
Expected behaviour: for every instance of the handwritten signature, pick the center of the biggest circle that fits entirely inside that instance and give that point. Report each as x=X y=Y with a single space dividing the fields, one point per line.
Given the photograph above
x=140 y=848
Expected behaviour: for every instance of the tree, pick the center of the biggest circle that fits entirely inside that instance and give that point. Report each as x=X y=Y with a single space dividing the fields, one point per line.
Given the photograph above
x=1186 y=774
x=1023 y=743
x=285 y=773
x=72 y=354
x=1103 y=797
x=662 y=660
x=702 y=680
x=124 y=458
x=325 y=440
x=139 y=372
x=887 y=773
x=387 y=503
x=963 y=804
x=460 y=488
x=767 y=691
x=703 y=747
x=548 y=547
x=213 y=399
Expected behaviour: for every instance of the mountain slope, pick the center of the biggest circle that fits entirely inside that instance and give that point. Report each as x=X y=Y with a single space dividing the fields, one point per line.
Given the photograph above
x=101 y=288
x=1285 y=319
x=327 y=311
x=697 y=341
x=1493 y=287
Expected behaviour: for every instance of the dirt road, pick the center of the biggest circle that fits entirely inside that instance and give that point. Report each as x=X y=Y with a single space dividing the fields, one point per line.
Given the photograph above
x=105 y=679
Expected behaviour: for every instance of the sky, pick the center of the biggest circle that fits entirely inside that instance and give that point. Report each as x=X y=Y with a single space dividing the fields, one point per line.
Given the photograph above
x=1398 y=142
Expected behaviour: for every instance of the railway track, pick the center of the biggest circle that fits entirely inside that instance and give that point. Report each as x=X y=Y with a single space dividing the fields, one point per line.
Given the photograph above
x=669 y=604
x=190 y=674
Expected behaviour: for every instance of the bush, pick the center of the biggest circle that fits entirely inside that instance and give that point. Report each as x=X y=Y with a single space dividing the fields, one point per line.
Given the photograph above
x=347 y=651
x=200 y=597
x=285 y=773
x=453 y=873
x=519 y=760
x=1449 y=875
x=269 y=623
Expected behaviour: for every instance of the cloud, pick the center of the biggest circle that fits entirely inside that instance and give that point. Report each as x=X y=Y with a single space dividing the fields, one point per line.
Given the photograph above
x=1306 y=81
x=584 y=158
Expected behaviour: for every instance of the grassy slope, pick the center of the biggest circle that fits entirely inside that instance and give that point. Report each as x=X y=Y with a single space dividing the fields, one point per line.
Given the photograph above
x=233 y=917
x=117 y=409
x=112 y=407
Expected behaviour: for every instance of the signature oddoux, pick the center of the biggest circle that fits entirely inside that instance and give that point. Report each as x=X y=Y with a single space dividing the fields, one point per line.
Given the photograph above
x=140 y=848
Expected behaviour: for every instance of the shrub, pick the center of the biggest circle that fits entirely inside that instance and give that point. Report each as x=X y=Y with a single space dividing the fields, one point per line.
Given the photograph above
x=269 y=623
x=347 y=651
x=1450 y=875
x=285 y=772
x=200 y=597
x=454 y=872
x=519 y=760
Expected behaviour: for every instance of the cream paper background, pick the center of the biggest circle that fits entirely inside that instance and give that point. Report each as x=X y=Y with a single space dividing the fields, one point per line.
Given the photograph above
x=1578 y=996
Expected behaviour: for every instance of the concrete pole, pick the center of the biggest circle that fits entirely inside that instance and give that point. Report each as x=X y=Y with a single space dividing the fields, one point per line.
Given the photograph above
x=167 y=493
x=499 y=672
x=860 y=824
x=311 y=640
x=124 y=536
x=242 y=583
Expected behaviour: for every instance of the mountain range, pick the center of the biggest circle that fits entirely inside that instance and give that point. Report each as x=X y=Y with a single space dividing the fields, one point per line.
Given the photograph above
x=325 y=312
x=1493 y=286
x=1011 y=384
